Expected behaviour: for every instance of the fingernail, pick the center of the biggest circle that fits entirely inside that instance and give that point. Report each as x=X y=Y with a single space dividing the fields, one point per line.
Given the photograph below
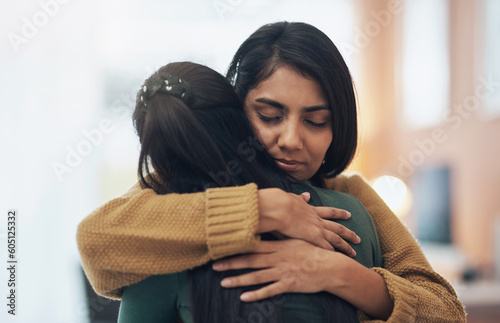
x=226 y=282
x=353 y=253
x=217 y=266
x=245 y=297
x=358 y=239
x=348 y=214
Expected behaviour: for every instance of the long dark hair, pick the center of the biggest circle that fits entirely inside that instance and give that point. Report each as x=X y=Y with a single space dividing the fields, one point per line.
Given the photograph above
x=195 y=145
x=206 y=142
x=310 y=52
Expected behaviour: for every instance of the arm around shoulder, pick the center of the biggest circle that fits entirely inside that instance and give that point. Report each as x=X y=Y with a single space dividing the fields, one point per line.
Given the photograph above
x=419 y=293
x=142 y=233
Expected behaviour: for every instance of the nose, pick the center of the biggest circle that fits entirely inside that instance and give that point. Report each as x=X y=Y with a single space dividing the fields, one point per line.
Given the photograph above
x=290 y=137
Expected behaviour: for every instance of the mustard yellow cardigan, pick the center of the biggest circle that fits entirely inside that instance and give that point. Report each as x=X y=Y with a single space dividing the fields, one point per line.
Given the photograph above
x=141 y=234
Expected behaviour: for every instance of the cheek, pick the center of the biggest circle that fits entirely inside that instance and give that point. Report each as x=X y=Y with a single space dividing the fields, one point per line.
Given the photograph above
x=322 y=144
x=328 y=141
x=266 y=137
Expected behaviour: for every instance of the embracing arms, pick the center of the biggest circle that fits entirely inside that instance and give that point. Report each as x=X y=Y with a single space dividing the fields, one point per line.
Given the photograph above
x=141 y=233
x=129 y=239
x=406 y=289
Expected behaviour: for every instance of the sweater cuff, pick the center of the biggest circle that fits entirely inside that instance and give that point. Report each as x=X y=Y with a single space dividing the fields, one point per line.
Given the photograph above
x=232 y=220
x=403 y=295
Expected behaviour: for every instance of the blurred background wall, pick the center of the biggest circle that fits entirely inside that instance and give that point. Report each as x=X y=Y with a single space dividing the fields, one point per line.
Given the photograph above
x=427 y=76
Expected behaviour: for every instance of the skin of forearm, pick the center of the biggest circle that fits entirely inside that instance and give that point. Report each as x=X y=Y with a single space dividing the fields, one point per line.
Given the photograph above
x=360 y=286
x=266 y=223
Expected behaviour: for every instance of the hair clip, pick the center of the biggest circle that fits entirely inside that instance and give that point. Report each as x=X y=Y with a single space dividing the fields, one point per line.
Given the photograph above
x=169 y=84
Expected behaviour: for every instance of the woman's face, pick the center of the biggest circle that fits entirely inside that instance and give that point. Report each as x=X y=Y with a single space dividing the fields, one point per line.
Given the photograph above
x=290 y=114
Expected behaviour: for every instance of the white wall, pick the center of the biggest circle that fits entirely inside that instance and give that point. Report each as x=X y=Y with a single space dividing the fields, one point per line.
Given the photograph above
x=76 y=67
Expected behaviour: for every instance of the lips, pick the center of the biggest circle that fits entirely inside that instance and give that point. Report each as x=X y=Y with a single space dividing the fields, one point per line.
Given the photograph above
x=288 y=165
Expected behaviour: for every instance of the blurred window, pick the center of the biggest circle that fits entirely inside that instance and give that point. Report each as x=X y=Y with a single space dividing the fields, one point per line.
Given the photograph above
x=491 y=53
x=426 y=63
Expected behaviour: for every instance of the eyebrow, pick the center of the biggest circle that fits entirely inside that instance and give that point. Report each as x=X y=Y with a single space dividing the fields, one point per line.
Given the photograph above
x=282 y=107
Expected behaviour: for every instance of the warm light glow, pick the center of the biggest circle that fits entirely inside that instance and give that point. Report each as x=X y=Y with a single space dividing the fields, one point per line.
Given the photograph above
x=394 y=192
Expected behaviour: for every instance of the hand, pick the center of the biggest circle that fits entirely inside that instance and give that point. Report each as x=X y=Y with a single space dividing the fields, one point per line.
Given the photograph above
x=291 y=266
x=290 y=215
x=296 y=266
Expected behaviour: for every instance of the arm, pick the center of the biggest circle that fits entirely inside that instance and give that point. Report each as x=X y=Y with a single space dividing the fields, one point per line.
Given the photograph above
x=406 y=288
x=296 y=266
x=142 y=233
x=418 y=292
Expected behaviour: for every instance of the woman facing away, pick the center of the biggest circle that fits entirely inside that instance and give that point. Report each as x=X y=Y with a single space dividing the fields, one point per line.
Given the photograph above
x=295 y=85
x=190 y=123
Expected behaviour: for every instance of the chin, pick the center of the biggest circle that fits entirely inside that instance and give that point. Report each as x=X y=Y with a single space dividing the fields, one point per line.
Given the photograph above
x=297 y=177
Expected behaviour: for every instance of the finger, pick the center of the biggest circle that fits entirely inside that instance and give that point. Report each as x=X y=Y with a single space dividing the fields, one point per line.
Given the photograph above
x=341 y=245
x=332 y=213
x=315 y=234
x=306 y=196
x=263 y=293
x=342 y=231
x=250 y=279
x=324 y=243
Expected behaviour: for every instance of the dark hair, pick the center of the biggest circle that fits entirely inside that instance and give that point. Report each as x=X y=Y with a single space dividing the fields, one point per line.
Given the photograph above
x=311 y=53
x=200 y=144
x=190 y=144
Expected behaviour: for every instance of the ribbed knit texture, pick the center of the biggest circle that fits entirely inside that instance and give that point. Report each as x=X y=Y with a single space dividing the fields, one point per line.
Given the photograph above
x=231 y=225
x=140 y=234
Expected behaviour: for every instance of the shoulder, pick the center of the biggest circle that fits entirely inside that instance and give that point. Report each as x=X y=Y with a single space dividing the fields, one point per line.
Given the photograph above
x=348 y=183
x=356 y=185
x=331 y=196
x=136 y=188
x=342 y=200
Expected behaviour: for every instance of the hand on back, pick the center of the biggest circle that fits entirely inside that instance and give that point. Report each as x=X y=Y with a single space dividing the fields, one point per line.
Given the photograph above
x=290 y=215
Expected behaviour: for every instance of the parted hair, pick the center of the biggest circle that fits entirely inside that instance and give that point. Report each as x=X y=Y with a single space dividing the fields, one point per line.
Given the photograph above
x=310 y=52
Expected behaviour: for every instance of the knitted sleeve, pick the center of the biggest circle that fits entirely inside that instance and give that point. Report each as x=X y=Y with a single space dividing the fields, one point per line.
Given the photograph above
x=419 y=293
x=141 y=234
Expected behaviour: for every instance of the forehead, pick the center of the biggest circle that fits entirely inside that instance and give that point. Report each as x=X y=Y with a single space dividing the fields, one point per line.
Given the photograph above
x=287 y=85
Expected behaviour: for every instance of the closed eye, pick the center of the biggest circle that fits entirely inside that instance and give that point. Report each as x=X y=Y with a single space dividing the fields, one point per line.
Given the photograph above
x=268 y=119
x=315 y=124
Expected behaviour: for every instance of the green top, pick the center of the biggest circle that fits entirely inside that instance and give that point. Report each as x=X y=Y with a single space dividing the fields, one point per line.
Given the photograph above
x=368 y=251
x=163 y=298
